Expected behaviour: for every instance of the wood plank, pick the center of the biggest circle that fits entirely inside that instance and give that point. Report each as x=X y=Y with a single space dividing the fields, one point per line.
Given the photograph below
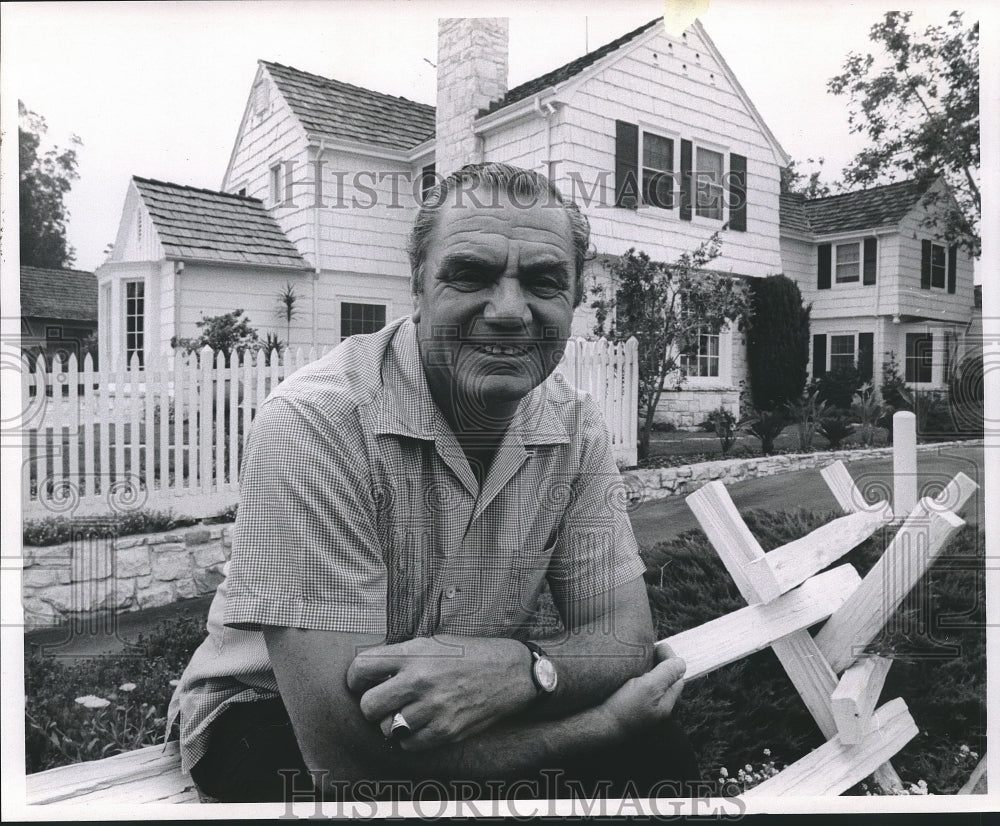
x=733 y=542
x=851 y=500
x=794 y=563
x=855 y=697
x=145 y=775
x=811 y=675
x=956 y=493
x=836 y=766
x=915 y=546
x=736 y=635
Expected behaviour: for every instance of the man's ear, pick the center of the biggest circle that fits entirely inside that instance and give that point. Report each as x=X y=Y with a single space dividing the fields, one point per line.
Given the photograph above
x=416 y=308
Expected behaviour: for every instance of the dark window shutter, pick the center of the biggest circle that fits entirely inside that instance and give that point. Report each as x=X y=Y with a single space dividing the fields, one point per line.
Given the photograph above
x=737 y=192
x=686 y=153
x=925 y=265
x=952 y=267
x=866 y=355
x=819 y=356
x=626 y=165
x=823 y=267
x=871 y=254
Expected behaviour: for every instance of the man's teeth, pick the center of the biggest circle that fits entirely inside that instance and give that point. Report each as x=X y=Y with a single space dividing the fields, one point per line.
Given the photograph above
x=502 y=350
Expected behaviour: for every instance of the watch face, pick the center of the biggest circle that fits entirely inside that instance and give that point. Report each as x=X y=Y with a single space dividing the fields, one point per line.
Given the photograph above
x=545 y=673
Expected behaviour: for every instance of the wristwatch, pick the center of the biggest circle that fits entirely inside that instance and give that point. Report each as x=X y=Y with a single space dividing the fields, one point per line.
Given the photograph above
x=543 y=671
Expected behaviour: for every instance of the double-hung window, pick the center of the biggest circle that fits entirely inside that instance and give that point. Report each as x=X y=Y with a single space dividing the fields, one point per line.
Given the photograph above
x=702 y=360
x=919 y=357
x=842 y=351
x=848 y=263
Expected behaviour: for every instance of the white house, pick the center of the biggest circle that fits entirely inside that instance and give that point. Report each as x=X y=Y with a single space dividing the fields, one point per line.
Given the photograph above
x=880 y=282
x=183 y=253
x=651 y=134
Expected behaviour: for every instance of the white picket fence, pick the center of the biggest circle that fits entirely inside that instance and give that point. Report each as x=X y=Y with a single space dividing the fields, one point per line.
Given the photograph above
x=172 y=437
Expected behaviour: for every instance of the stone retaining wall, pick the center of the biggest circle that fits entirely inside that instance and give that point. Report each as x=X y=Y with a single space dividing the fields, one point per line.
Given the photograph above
x=659 y=483
x=79 y=579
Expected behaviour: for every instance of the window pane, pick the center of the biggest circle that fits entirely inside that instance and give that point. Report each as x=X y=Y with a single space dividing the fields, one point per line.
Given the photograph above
x=703 y=360
x=919 y=357
x=657 y=152
x=657 y=166
x=937 y=265
x=708 y=184
x=357 y=319
x=848 y=262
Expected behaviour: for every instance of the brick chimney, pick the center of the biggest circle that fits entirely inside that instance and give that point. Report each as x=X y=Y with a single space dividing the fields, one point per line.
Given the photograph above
x=471 y=72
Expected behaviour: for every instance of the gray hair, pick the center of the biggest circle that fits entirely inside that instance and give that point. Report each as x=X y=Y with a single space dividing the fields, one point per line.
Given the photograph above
x=523 y=186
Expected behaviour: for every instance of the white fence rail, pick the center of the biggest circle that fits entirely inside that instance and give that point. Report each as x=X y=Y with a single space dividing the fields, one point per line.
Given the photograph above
x=172 y=437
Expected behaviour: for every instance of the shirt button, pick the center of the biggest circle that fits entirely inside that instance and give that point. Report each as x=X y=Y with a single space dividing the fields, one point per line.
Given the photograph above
x=450 y=592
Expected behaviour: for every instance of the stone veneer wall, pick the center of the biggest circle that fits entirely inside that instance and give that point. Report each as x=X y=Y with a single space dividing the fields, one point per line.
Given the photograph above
x=81 y=578
x=659 y=483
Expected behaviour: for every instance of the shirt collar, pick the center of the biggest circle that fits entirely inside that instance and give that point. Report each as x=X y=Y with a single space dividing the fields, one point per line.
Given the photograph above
x=406 y=407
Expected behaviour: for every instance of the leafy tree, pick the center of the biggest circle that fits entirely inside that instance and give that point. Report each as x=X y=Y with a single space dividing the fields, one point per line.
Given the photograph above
x=226 y=333
x=794 y=180
x=44 y=180
x=777 y=342
x=918 y=104
x=666 y=307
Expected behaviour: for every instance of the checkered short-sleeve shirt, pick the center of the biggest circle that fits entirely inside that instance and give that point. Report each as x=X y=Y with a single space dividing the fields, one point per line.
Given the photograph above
x=359 y=513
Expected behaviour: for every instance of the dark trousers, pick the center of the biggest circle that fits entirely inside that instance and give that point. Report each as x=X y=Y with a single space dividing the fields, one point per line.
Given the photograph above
x=251 y=743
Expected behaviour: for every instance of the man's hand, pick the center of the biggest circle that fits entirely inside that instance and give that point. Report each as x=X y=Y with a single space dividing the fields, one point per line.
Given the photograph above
x=447 y=687
x=649 y=699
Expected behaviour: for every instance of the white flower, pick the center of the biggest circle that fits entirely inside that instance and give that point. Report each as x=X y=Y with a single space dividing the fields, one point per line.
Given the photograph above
x=127 y=687
x=767 y=752
x=724 y=771
x=90 y=701
x=175 y=683
x=964 y=749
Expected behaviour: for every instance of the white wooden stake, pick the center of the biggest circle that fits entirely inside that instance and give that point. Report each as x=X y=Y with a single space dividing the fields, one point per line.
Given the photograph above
x=911 y=552
x=856 y=695
x=904 y=463
x=836 y=766
x=850 y=499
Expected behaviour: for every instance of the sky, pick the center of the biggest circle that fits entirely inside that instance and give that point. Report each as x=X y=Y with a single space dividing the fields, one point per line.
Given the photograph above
x=158 y=89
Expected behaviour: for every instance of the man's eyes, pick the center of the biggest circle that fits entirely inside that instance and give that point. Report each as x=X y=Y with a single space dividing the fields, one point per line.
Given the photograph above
x=545 y=285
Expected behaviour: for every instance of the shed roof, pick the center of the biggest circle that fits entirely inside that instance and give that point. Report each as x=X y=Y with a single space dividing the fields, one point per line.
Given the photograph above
x=48 y=293
x=341 y=110
x=216 y=226
x=880 y=206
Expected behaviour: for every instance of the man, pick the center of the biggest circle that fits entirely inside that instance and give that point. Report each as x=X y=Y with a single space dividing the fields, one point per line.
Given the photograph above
x=403 y=501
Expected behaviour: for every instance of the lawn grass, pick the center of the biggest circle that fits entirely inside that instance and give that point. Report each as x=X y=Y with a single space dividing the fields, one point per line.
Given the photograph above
x=936 y=639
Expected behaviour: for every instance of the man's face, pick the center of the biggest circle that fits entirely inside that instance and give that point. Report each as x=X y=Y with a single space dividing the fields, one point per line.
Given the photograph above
x=497 y=300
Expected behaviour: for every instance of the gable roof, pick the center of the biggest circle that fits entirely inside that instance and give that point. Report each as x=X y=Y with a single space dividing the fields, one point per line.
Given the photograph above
x=880 y=206
x=564 y=73
x=341 y=110
x=199 y=224
x=48 y=293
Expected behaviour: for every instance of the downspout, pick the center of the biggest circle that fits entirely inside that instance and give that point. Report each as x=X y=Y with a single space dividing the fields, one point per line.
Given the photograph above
x=547 y=115
x=321 y=149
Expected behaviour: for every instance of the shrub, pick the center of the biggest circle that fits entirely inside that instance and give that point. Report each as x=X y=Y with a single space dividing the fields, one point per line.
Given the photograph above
x=805 y=412
x=226 y=333
x=777 y=341
x=895 y=393
x=724 y=426
x=53 y=530
x=967 y=394
x=869 y=411
x=837 y=387
x=85 y=709
x=835 y=426
x=766 y=425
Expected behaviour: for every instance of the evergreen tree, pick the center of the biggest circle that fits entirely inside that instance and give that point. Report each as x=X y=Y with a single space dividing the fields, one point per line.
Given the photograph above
x=777 y=342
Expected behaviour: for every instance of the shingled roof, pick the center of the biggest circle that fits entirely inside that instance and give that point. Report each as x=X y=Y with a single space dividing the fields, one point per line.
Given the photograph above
x=200 y=224
x=330 y=107
x=68 y=294
x=879 y=206
x=563 y=73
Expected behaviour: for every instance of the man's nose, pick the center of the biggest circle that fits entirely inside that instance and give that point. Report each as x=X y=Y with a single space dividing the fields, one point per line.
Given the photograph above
x=507 y=301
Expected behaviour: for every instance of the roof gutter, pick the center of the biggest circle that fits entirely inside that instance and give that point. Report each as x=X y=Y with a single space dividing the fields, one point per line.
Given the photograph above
x=522 y=109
